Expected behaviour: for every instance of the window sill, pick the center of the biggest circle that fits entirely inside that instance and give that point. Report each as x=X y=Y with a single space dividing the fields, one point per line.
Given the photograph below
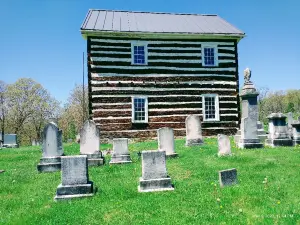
x=211 y=121
x=139 y=64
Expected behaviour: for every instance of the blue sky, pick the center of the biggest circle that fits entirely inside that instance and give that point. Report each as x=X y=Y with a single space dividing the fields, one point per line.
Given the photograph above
x=41 y=38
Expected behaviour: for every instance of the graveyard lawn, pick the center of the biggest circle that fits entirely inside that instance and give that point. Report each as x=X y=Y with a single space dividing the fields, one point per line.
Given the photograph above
x=268 y=191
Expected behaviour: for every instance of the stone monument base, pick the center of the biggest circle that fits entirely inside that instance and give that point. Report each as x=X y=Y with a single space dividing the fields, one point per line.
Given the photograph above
x=279 y=142
x=161 y=184
x=65 y=192
x=193 y=142
x=49 y=164
x=95 y=159
x=120 y=159
x=250 y=143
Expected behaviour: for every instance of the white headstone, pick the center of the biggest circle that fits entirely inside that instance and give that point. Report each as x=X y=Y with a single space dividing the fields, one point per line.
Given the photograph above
x=52 y=141
x=166 y=141
x=193 y=130
x=90 y=138
x=224 y=145
x=120 y=151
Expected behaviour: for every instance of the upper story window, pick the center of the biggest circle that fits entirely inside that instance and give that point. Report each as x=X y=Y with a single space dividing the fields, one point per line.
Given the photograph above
x=139 y=110
x=209 y=55
x=210 y=107
x=139 y=53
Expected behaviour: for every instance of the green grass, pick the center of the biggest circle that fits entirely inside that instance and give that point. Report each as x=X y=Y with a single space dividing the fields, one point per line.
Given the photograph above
x=26 y=196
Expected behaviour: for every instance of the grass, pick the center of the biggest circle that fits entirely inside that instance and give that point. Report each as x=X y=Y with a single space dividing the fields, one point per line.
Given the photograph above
x=26 y=196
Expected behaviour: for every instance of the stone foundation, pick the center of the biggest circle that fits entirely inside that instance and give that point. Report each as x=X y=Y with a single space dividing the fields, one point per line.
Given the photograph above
x=279 y=142
x=64 y=192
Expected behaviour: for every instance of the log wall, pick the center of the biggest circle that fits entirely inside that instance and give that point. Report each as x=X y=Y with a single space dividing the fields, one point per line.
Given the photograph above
x=173 y=80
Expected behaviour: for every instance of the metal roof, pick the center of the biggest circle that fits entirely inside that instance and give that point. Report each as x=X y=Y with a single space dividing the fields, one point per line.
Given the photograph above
x=127 y=21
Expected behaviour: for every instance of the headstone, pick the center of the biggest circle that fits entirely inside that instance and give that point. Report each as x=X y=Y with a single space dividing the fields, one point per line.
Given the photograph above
x=90 y=143
x=33 y=142
x=278 y=131
x=52 y=149
x=224 y=145
x=154 y=172
x=228 y=177
x=10 y=141
x=74 y=178
x=193 y=130
x=296 y=132
x=166 y=141
x=249 y=137
x=120 y=153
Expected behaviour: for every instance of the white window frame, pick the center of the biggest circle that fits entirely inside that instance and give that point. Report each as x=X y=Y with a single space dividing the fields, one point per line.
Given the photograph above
x=132 y=109
x=215 y=47
x=139 y=43
x=217 y=110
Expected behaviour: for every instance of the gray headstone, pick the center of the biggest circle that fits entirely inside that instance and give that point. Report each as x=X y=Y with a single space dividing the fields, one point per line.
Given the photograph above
x=193 y=130
x=120 y=146
x=154 y=165
x=296 y=132
x=224 y=145
x=33 y=143
x=120 y=151
x=52 y=141
x=228 y=177
x=74 y=170
x=249 y=136
x=90 y=138
x=166 y=140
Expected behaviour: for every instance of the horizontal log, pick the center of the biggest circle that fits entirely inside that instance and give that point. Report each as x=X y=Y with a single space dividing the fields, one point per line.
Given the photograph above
x=154 y=98
x=167 y=85
x=164 y=79
x=157 y=71
x=226 y=51
x=164 y=92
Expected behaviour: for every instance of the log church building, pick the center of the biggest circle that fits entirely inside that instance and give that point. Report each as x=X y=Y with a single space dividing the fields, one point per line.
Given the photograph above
x=150 y=70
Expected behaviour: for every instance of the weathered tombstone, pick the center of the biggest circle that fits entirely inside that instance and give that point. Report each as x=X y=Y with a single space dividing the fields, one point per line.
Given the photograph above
x=193 y=130
x=74 y=178
x=90 y=143
x=249 y=137
x=166 y=141
x=228 y=177
x=296 y=132
x=120 y=151
x=52 y=149
x=33 y=142
x=224 y=145
x=154 y=172
x=278 y=131
x=289 y=123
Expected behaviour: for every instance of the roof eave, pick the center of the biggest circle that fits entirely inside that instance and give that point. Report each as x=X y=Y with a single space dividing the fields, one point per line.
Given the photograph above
x=93 y=33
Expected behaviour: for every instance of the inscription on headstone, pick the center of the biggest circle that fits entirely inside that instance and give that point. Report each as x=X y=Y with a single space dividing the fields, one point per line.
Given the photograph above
x=154 y=172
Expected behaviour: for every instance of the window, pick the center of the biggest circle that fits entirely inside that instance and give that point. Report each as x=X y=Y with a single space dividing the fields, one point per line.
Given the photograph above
x=210 y=107
x=139 y=53
x=139 y=110
x=209 y=55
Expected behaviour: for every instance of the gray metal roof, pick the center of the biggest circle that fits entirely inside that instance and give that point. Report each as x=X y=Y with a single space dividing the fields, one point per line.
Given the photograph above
x=126 y=21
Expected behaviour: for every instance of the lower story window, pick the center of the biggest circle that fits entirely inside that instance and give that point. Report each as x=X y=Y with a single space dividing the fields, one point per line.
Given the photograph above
x=210 y=107
x=139 y=109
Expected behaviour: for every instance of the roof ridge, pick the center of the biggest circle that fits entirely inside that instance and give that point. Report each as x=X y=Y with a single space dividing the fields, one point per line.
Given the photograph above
x=169 y=13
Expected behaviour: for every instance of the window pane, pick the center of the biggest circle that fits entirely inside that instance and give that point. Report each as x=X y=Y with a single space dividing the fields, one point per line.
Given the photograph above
x=139 y=109
x=209 y=57
x=210 y=109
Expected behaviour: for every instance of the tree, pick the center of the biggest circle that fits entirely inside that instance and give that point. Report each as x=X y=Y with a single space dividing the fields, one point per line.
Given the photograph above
x=3 y=108
x=75 y=112
x=28 y=101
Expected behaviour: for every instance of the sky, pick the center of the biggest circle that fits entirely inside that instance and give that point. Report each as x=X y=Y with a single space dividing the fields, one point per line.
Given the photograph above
x=40 y=39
